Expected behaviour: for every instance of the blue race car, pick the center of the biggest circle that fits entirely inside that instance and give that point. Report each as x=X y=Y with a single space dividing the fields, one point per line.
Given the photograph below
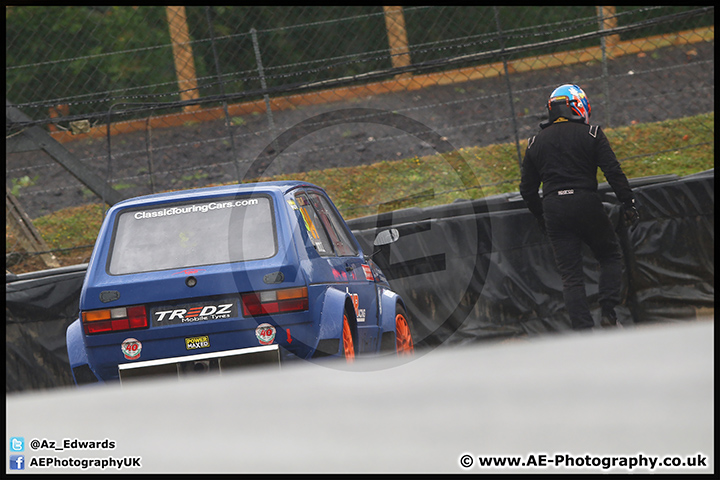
x=224 y=277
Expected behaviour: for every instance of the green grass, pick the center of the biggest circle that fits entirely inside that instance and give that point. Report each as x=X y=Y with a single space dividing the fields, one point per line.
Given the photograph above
x=680 y=146
x=71 y=227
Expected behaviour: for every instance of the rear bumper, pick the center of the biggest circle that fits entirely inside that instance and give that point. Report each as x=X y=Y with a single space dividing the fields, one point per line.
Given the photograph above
x=214 y=362
x=105 y=355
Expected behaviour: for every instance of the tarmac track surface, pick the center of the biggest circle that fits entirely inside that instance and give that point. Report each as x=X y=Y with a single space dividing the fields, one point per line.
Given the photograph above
x=639 y=392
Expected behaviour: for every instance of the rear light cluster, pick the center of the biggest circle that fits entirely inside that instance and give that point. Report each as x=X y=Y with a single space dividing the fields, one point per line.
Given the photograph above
x=114 y=319
x=275 y=301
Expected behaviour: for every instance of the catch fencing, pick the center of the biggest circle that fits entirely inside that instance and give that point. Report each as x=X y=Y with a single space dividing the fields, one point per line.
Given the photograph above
x=112 y=102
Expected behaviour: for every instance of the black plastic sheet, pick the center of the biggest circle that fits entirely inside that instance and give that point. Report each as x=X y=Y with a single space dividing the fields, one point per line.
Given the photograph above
x=498 y=276
x=468 y=271
x=672 y=256
x=39 y=307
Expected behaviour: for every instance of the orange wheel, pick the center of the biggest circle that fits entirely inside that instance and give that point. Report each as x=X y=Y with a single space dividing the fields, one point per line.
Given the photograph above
x=403 y=338
x=348 y=346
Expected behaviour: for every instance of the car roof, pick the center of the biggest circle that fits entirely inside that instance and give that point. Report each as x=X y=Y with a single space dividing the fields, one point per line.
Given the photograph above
x=281 y=187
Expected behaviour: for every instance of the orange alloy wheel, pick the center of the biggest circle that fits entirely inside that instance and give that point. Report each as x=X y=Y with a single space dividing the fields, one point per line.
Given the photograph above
x=348 y=347
x=403 y=337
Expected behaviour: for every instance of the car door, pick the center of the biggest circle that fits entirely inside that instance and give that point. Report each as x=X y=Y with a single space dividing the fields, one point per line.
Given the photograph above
x=348 y=257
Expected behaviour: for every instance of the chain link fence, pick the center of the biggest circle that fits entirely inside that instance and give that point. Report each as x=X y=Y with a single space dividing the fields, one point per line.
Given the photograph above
x=147 y=99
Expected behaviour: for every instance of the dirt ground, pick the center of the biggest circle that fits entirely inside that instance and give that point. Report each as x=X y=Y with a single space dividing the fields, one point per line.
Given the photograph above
x=668 y=83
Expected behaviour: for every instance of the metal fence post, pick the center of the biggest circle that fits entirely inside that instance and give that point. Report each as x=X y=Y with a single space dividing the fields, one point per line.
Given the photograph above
x=228 y=126
x=609 y=21
x=149 y=151
x=263 y=84
x=509 y=86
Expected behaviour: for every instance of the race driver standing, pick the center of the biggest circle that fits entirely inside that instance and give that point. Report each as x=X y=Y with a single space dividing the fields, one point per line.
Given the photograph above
x=564 y=156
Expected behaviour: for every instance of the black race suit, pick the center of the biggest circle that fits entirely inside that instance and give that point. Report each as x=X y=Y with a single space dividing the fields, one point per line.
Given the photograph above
x=564 y=157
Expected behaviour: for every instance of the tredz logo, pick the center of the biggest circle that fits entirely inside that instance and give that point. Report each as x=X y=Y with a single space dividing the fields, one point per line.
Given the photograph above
x=193 y=314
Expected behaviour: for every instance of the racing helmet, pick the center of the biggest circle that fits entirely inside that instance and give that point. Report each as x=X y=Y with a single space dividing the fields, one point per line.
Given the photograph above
x=569 y=101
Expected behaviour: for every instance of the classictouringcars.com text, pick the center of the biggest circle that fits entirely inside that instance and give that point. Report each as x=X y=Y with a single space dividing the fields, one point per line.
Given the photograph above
x=195 y=208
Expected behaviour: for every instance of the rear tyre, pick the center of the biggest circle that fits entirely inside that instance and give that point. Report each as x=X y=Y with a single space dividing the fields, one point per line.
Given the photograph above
x=403 y=337
x=348 y=347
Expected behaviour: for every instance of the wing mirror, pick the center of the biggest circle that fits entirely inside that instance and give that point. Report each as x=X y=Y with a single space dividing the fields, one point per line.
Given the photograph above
x=386 y=237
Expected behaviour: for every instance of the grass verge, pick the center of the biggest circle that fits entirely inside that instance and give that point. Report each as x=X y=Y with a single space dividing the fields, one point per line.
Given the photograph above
x=679 y=146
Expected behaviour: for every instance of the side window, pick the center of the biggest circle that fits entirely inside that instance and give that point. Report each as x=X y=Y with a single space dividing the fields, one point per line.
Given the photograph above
x=314 y=227
x=334 y=226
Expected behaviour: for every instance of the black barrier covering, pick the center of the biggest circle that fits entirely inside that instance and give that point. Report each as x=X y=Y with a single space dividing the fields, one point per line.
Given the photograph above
x=468 y=271
x=39 y=307
x=672 y=257
x=494 y=273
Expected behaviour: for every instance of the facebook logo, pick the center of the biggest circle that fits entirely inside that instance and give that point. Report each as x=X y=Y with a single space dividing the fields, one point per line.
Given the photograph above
x=17 y=462
x=17 y=444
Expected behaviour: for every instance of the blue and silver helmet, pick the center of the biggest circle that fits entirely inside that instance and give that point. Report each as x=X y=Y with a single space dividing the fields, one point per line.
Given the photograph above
x=572 y=97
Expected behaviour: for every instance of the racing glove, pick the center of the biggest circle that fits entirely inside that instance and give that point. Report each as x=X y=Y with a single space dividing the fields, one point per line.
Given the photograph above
x=630 y=213
x=541 y=224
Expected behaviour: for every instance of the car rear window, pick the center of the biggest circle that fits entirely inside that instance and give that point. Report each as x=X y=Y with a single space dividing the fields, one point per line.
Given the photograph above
x=181 y=235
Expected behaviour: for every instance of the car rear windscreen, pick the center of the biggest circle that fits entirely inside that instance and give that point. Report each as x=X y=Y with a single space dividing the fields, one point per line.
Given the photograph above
x=184 y=235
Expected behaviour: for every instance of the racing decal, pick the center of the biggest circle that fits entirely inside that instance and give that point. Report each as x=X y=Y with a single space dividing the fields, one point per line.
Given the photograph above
x=193 y=343
x=355 y=301
x=203 y=208
x=359 y=312
x=310 y=226
x=190 y=271
x=368 y=272
x=265 y=333
x=131 y=348
x=292 y=204
x=163 y=316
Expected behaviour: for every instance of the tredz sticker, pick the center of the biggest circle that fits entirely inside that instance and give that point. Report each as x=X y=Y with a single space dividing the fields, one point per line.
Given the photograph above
x=163 y=316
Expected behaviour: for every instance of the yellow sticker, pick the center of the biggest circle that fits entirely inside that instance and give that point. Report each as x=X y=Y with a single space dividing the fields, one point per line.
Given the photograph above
x=309 y=224
x=194 y=343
